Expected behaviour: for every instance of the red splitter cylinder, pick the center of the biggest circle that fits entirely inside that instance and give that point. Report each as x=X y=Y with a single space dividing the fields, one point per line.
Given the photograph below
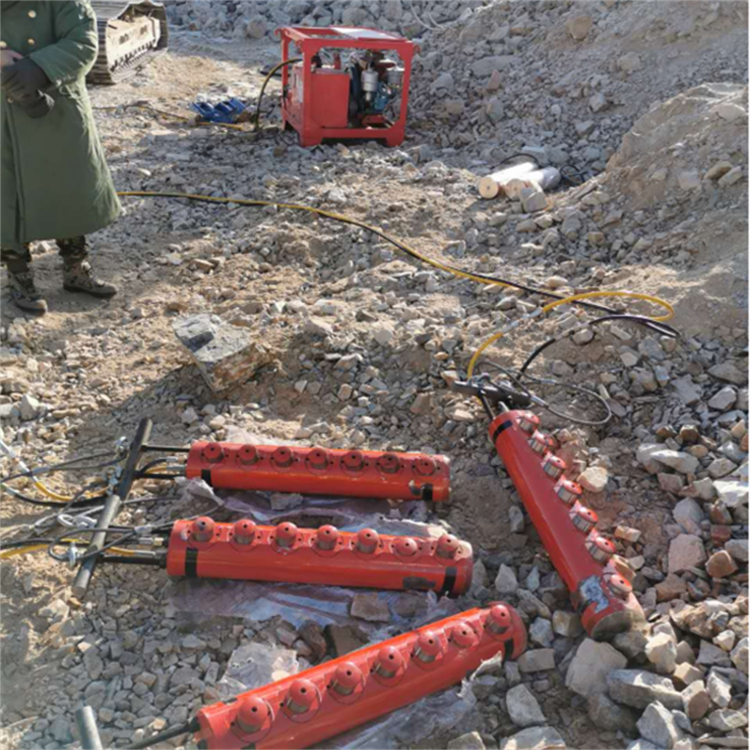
x=320 y=471
x=324 y=701
x=583 y=558
x=246 y=551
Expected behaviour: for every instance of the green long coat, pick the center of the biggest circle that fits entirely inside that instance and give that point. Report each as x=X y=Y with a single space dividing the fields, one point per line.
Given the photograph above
x=55 y=179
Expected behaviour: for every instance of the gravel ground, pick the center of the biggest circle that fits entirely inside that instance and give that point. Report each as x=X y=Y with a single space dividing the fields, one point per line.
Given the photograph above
x=361 y=343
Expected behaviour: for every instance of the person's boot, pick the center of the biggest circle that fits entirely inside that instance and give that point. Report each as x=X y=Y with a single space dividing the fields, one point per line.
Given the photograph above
x=23 y=291
x=78 y=275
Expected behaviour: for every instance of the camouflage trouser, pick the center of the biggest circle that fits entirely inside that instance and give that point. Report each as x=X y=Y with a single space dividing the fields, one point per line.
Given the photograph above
x=71 y=249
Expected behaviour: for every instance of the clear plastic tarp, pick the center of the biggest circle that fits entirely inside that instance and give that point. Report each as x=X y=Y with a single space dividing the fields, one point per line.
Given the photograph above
x=256 y=664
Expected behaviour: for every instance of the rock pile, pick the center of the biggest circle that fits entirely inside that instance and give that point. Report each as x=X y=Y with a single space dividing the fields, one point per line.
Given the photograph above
x=255 y=19
x=568 y=78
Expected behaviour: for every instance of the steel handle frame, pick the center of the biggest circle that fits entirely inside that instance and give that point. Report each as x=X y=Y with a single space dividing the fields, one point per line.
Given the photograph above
x=111 y=508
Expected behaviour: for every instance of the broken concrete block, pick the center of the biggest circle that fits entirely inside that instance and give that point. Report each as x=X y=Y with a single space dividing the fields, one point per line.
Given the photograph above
x=587 y=673
x=638 y=688
x=367 y=606
x=225 y=355
x=534 y=738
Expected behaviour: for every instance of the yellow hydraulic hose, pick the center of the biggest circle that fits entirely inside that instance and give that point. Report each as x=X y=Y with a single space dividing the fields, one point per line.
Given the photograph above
x=574 y=298
x=321 y=212
x=62 y=499
x=8 y=553
x=414 y=254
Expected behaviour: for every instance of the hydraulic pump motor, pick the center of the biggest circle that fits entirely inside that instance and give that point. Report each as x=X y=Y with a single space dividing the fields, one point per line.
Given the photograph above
x=344 y=83
x=369 y=84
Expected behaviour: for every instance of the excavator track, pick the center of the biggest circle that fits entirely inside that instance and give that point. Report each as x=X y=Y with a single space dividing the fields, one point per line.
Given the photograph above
x=130 y=35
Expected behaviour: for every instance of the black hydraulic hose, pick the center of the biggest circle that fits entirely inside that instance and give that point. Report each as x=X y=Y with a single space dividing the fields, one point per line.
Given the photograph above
x=378 y=233
x=647 y=322
x=663 y=328
x=151 y=464
x=164 y=449
x=135 y=559
x=73 y=504
x=64 y=466
x=156 y=475
x=33 y=501
x=125 y=535
x=265 y=83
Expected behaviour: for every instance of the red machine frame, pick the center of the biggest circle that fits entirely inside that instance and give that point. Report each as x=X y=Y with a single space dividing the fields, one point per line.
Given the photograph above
x=320 y=471
x=246 y=551
x=301 y=115
x=583 y=557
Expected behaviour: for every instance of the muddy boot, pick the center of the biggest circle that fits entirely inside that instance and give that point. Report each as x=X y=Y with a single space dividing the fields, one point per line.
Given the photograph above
x=77 y=273
x=23 y=292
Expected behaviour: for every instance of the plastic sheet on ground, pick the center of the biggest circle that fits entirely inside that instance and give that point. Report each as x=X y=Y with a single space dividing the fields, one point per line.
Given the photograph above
x=407 y=517
x=254 y=665
x=411 y=724
x=297 y=603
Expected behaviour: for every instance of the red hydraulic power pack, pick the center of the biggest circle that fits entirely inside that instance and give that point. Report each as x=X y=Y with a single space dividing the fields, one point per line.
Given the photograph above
x=582 y=556
x=246 y=551
x=320 y=101
x=324 y=701
x=320 y=471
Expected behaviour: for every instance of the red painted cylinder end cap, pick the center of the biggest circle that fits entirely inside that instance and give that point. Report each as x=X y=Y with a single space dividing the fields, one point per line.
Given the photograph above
x=302 y=695
x=367 y=540
x=202 y=529
x=251 y=714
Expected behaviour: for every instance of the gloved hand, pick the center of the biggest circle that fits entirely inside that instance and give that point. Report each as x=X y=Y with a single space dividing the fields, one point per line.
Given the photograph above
x=22 y=82
x=36 y=106
x=23 y=78
x=8 y=57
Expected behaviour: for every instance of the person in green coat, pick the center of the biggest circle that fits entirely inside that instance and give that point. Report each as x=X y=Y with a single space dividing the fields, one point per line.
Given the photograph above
x=55 y=179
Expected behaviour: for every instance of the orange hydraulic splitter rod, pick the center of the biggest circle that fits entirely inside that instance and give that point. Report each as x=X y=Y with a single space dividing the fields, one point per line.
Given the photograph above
x=324 y=701
x=320 y=471
x=582 y=556
x=246 y=551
